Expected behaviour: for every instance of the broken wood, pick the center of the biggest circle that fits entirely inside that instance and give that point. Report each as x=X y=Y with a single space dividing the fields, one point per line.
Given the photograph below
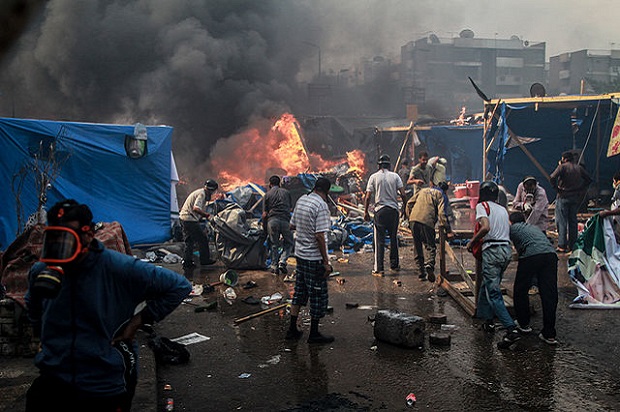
x=261 y=313
x=459 y=267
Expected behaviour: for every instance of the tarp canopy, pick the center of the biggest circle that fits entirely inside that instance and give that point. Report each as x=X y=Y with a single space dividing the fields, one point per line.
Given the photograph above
x=461 y=146
x=93 y=168
x=557 y=124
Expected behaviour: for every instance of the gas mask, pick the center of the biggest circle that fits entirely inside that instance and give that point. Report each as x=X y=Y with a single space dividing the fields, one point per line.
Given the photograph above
x=61 y=246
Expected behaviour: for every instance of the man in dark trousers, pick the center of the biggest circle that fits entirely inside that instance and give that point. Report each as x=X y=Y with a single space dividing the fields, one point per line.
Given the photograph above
x=311 y=222
x=571 y=181
x=86 y=302
x=383 y=189
x=278 y=205
x=425 y=209
x=536 y=258
x=192 y=212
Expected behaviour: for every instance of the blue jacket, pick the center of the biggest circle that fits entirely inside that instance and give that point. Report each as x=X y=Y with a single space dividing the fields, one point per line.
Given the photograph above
x=94 y=304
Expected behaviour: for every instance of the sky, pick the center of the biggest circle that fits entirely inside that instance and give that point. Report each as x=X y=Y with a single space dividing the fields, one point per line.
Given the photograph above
x=211 y=68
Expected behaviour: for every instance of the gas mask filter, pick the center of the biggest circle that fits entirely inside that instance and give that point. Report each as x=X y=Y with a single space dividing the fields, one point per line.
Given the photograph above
x=61 y=245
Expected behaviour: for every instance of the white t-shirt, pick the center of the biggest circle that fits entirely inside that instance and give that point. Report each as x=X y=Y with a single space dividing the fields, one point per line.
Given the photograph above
x=383 y=186
x=498 y=222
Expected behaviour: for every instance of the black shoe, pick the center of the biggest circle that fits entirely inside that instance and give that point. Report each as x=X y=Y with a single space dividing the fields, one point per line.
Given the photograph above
x=318 y=338
x=293 y=334
x=509 y=339
x=488 y=327
x=430 y=274
x=282 y=269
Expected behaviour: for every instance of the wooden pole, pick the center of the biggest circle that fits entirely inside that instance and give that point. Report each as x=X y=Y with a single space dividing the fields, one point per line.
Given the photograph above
x=402 y=148
x=261 y=313
x=529 y=155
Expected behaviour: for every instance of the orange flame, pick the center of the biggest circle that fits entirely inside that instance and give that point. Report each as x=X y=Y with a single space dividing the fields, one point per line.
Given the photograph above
x=252 y=154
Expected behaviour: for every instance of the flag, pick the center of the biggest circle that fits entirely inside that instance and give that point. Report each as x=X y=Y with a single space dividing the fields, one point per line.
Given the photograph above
x=614 y=139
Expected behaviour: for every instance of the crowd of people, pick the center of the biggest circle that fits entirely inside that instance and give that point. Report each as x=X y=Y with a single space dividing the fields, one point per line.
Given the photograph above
x=86 y=302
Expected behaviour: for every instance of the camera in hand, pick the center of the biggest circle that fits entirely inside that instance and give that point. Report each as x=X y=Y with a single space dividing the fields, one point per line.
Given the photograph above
x=48 y=282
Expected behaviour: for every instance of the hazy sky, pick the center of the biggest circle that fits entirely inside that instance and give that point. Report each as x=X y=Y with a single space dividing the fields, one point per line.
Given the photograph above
x=211 y=68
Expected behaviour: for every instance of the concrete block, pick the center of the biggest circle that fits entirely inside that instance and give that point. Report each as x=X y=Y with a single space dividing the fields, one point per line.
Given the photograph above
x=399 y=328
x=439 y=339
x=438 y=318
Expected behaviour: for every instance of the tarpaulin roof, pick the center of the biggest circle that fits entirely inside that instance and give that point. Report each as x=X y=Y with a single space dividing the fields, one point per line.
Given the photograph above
x=553 y=120
x=93 y=169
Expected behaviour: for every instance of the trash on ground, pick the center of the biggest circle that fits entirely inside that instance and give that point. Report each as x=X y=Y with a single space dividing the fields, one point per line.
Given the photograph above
x=191 y=338
x=230 y=295
x=250 y=284
x=411 y=399
x=245 y=375
x=251 y=300
x=208 y=306
x=268 y=300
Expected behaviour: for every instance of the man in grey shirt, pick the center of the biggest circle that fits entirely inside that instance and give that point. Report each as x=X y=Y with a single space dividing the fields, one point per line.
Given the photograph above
x=536 y=258
x=278 y=205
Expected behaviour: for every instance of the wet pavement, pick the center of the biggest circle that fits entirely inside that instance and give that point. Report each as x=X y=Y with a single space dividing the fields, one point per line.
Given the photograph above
x=250 y=366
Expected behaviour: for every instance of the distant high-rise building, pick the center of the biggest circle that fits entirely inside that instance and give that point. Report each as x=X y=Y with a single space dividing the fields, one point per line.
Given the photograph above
x=437 y=70
x=567 y=70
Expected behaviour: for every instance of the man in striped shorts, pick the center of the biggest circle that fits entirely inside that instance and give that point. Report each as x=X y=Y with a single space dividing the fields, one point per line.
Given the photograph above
x=311 y=221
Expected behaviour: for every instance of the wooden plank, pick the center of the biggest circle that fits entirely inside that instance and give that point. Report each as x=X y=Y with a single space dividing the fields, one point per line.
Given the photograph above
x=261 y=313
x=467 y=304
x=460 y=267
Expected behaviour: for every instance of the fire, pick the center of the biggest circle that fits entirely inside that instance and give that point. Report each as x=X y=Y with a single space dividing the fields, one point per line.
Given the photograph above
x=250 y=155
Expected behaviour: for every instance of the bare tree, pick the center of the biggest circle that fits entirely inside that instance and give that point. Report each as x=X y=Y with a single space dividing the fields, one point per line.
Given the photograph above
x=44 y=166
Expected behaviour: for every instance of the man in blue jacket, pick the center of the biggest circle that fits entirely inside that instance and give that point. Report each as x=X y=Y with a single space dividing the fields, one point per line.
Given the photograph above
x=83 y=301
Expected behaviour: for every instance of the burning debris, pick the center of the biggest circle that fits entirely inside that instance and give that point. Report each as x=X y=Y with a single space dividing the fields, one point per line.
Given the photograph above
x=252 y=155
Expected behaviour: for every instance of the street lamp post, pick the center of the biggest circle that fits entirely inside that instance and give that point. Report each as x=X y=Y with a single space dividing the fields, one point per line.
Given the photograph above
x=319 y=49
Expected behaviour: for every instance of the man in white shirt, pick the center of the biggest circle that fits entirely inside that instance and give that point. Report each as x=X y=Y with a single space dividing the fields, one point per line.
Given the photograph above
x=383 y=188
x=496 y=255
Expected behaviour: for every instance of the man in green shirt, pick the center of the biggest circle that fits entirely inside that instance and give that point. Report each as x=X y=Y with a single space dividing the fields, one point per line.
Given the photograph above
x=537 y=257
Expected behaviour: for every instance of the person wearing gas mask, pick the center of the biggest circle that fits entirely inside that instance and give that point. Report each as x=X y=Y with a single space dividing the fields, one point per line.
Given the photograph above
x=531 y=199
x=86 y=303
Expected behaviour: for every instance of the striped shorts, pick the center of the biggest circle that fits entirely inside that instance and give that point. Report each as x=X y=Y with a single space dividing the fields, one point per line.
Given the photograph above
x=311 y=284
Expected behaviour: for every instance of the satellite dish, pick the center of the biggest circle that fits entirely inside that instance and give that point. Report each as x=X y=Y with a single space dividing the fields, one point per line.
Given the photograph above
x=514 y=37
x=466 y=34
x=434 y=39
x=526 y=43
x=537 y=90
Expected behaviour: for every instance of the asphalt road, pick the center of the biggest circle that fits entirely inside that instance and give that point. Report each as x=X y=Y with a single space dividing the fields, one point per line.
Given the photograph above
x=249 y=365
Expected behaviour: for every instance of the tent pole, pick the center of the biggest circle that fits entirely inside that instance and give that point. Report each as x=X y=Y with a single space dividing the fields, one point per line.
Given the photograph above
x=528 y=154
x=402 y=149
x=487 y=125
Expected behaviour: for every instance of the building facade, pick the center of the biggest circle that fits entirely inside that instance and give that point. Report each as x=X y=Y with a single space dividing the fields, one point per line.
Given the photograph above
x=437 y=70
x=567 y=70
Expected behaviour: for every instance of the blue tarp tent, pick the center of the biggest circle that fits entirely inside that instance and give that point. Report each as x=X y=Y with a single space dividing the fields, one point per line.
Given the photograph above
x=461 y=146
x=94 y=169
x=555 y=124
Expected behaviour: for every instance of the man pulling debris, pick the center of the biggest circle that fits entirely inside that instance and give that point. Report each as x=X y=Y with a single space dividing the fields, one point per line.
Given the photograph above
x=192 y=212
x=278 y=205
x=424 y=209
